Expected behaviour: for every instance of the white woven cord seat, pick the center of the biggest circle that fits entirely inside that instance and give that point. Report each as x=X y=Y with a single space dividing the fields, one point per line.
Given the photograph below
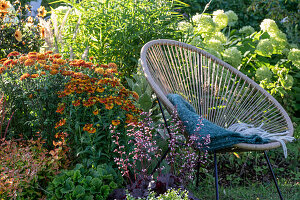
x=218 y=91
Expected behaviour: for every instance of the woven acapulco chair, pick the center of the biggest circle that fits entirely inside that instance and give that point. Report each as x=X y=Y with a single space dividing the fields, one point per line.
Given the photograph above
x=218 y=92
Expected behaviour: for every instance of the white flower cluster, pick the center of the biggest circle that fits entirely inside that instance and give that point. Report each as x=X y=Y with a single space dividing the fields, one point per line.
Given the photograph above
x=220 y=18
x=264 y=48
x=232 y=56
x=277 y=38
x=232 y=17
x=263 y=73
x=294 y=56
x=247 y=30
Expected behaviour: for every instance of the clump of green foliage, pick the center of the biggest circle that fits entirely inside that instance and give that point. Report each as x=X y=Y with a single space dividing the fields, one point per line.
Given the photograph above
x=111 y=31
x=84 y=183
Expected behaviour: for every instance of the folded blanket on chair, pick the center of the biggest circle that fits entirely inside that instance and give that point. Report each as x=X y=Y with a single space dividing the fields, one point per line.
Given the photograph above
x=220 y=138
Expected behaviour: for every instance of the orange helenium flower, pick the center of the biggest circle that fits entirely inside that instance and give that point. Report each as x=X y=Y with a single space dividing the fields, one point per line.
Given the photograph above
x=61 y=108
x=24 y=76
x=89 y=128
x=29 y=62
x=95 y=112
x=41 y=11
x=60 y=123
x=18 y=35
x=34 y=76
x=2 y=69
x=4 y=5
x=115 y=122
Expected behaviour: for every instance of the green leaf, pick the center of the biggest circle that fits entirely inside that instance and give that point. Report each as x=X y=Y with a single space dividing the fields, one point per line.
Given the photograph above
x=79 y=191
x=145 y=102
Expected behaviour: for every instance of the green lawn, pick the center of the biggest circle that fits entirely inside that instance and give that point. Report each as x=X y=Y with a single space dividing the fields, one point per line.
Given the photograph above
x=258 y=191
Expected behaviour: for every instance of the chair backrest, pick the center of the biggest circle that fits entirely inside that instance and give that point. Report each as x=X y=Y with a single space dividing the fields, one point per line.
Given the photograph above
x=218 y=91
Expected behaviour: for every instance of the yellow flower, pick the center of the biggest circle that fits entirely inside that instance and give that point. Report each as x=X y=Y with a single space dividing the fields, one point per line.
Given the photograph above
x=4 y=5
x=18 y=35
x=41 y=11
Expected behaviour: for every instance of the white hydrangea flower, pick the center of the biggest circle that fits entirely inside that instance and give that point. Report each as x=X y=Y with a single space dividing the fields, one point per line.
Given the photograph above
x=294 y=56
x=185 y=26
x=279 y=42
x=269 y=25
x=232 y=56
x=232 y=17
x=214 y=44
x=220 y=36
x=220 y=18
x=247 y=30
x=205 y=24
x=263 y=73
x=196 y=41
x=264 y=48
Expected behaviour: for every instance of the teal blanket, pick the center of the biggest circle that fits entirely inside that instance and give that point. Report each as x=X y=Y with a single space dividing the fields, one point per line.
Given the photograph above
x=220 y=138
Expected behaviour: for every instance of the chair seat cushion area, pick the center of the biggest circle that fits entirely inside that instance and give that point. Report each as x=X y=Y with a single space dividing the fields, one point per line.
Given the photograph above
x=220 y=138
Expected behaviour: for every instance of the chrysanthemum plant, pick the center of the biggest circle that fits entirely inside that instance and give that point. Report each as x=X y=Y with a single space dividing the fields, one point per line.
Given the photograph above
x=19 y=31
x=263 y=55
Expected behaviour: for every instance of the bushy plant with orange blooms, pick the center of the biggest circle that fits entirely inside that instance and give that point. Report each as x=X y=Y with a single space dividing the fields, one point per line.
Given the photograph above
x=30 y=83
x=91 y=103
x=18 y=31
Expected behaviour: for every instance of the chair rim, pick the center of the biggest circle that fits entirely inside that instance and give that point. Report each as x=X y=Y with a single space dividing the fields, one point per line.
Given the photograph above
x=169 y=106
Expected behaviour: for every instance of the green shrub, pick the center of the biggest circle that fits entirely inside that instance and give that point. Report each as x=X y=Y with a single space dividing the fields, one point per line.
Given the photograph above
x=84 y=183
x=18 y=31
x=112 y=31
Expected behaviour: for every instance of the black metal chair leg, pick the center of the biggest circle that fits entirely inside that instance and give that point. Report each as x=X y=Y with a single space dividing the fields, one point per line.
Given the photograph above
x=273 y=175
x=216 y=176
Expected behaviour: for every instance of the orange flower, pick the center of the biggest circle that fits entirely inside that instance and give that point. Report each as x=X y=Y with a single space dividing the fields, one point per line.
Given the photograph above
x=41 y=56
x=54 y=71
x=115 y=122
x=129 y=118
x=96 y=112
x=18 y=35
x=43 y=73
x=89 y=128
x=61 y=108
x=14 y=53
x=60 y=123
x=7 y=62
x=99 y=70
x=30 y=96
x=135 y=95
x=2 y=14
x=112 y=65
x=57 y=55
x=34 y=76
x=24 y=76
x=4 y=5
x=29 y=62
x=76 y=103
x=2 y=69
x=109 y=106
x=59 y=61
x=42 y=62
x=100 y=89
x=22 y=59
x=41 y=11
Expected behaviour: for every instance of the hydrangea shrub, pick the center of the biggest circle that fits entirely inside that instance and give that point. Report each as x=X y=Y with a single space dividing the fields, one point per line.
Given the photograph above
x=264 y=55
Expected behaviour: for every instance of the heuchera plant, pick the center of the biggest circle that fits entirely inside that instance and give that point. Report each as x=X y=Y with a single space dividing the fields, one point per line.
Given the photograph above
x=136 y=163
